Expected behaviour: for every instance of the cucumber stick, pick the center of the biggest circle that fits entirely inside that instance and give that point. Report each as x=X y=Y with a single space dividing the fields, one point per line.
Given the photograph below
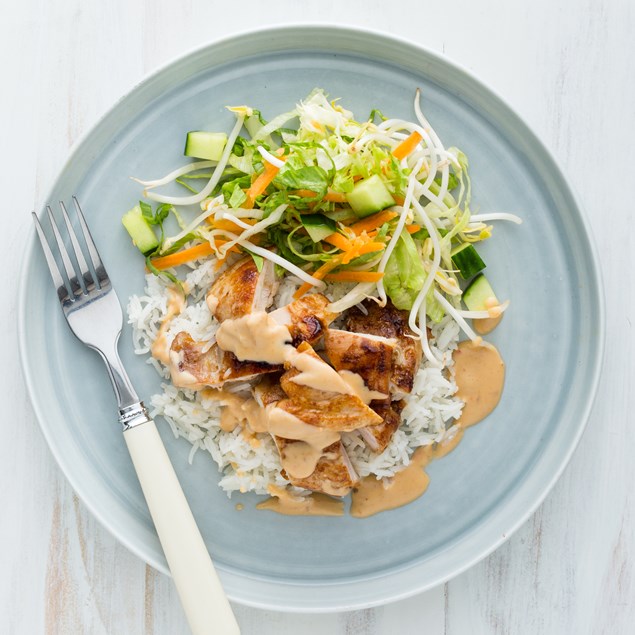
x=318 y=226
x=479 y=295
x=205 y=145
x=141 y=232
x=369 y=196
x=467 y=261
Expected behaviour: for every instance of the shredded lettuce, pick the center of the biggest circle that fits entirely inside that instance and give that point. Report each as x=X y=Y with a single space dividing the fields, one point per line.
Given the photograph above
x=291 y=175
x=313 y=178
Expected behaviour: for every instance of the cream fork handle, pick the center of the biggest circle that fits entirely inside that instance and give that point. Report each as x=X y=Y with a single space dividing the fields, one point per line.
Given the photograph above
x=206 y=607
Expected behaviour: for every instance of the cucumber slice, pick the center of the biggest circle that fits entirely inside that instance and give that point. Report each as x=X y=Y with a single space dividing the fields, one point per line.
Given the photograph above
x=141 y=232
x=369 y=196
x=342 y=215
x=205 y=145
x=479 y=295
x=318 y=226
x=467 y=261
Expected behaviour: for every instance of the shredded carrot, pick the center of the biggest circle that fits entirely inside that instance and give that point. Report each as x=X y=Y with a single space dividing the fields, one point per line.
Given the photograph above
x=261 y=183
x=330 y=196
x=230 y=226
x=319 y=274
x=372 y=222
x=183 y=256
x=400 y=200
x=413 y=229
x=407 y=146
x=367 y=248
x=339 y=241
x=354 y=276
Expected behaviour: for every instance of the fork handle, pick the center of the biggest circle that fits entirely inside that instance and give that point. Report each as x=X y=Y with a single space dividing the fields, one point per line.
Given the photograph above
x=206 y=607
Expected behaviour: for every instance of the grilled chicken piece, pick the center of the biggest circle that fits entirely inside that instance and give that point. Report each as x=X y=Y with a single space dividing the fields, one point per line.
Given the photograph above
x=307 y=318
x=324 y=408
x=378 y=437
x=340 y=412
x=333 y=473
x=191 y=366
x=268 y=391
x=298 y=391
x=242 y=289
x=370 y=356
x=391 y=323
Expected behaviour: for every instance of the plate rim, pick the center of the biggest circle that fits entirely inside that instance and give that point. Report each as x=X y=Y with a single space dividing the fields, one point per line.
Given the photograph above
x=539 y=494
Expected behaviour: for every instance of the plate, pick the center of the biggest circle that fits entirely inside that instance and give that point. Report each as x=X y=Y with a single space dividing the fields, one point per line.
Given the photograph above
x=551 y=339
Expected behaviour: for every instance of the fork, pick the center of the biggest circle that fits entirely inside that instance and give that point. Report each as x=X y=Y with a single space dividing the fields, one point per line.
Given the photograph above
x=93 y=312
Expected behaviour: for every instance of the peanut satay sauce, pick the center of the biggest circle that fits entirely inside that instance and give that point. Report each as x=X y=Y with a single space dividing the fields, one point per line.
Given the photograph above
x=258 y=337
x=176 y=303
x=479 y=375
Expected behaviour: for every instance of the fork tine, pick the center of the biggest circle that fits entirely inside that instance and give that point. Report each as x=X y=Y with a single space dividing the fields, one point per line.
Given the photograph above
x=79 y=254
x=100 y=270
x=58 y=280
x=68 y=265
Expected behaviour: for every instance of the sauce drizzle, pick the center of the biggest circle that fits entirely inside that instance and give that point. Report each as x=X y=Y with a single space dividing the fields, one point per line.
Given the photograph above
x=480 y=374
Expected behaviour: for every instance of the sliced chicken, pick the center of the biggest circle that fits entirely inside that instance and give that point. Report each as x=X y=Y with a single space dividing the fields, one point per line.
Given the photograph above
x=333 y=473
x=307 y=318
x=324 y=408
x=268 y=391
x=340 y=412
x=194 y=366
x=300 y=391
x=370 y=356
x=242 y=289
x=378 y=437
x=390 y=323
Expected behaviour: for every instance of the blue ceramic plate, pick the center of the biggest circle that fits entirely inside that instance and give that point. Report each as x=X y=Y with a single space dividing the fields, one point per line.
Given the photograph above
x=551 y=338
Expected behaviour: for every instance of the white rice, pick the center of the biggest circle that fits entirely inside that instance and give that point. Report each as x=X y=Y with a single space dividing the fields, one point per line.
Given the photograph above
x=248 y=463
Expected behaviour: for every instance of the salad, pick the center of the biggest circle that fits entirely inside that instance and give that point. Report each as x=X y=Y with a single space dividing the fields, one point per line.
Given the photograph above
x=355 y=211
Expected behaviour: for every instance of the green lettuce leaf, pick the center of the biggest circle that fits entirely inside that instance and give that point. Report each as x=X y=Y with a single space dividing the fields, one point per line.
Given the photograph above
x=312 y=178
x=404 y=274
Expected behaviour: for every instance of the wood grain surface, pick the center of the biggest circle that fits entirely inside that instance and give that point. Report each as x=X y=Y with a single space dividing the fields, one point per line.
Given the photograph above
x=567 y=68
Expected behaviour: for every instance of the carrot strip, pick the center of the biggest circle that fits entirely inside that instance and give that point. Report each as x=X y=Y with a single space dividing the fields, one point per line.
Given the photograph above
x=339 y=241
x=354 y=276
x=368 y=248
x=407 y=146
x=183 y=256
x=261 y=183
x=330 y=196
x=307 y=286
x=335 y=197
x=400 y=200
x=319 y=274
x=230 y=226
x=413 y=229
x=372 y=222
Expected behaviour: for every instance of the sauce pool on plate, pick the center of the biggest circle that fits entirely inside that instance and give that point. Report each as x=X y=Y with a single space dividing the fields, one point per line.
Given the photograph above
x=479 y=375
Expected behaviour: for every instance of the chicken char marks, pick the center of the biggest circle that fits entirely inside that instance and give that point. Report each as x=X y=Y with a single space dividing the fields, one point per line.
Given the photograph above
x=196 y=365
x=323 y=408
x=307 y=318
x=390 y=323
x=242 y=289
x=377 y=346
x=370 y=356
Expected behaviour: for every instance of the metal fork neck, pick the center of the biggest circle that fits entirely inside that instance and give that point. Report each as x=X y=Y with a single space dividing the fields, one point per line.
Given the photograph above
x=132 y=412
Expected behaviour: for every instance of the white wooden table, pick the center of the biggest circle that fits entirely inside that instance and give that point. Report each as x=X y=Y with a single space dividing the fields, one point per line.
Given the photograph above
x=567 y=68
